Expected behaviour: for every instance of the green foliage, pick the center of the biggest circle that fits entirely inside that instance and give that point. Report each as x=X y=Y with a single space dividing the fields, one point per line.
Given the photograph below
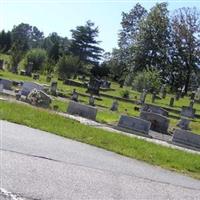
x=38 y=57
x=5 y=41
x=147 y=79
x=125 y=94
x=84 y=43
x=67 y=66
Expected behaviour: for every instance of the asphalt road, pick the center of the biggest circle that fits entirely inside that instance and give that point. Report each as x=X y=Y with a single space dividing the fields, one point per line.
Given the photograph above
x=36 y=165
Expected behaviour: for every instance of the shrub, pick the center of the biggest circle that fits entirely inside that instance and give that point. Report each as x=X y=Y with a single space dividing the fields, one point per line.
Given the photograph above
x=147 y=79
x=125 y=94
x=38 y=57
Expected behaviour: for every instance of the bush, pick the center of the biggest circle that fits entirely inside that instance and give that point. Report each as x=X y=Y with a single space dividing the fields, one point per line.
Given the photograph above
x=67 y=66
x=148 y=79
x=38 y=57
x=125 y=94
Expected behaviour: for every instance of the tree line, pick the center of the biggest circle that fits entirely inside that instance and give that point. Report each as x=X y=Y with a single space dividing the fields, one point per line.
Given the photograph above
x=152 y=43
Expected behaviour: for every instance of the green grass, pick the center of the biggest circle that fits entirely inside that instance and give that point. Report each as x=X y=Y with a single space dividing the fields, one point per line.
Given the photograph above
x=154 y=154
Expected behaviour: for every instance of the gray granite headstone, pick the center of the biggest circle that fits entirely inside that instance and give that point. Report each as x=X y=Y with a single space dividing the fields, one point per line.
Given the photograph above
x=188 y=112
x=159 y=122
x=27 y=87
x=134 y=124
x=53 y=88
x=155 y=109
x=186 y=138
x=82 y=110
x=184 y=124
x=114 y=106
x=7 y=84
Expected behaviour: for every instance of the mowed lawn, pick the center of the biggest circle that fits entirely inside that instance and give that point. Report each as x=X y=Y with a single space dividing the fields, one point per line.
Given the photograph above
x=154 y=154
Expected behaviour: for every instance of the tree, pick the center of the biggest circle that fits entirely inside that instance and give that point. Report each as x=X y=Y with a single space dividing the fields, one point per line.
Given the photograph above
x=38 y=57
x=130 y=26
x=5 y=41
x=186 y=44
x=84 y=44
x=67 y=66
x=151 y=48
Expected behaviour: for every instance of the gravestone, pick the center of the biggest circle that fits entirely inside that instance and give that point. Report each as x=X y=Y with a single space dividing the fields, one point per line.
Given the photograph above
x=7 y=84
x=114 y=106
x=134 y=124
x=22 y=72
x=186 y=138
x=105 y=84
x=155 y=109
x=74 y=95
x=82 y=110
x=91 y=100
x=198 y=93
x=39 y=98
x=184 y=124
x=27 y=87
x=1 y=87
x=143 y=96
x=188 y=112
x=178 y=94
x=159 y=122
x=1 y=64
x=53 y=88
x=163 y=91
x=94 y=86
x=171 y=103
x=192 y=96
x=29 y=69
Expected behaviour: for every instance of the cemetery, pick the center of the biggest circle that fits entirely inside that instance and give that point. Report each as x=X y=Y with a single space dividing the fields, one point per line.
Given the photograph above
x=141 y=100
x=108 y=107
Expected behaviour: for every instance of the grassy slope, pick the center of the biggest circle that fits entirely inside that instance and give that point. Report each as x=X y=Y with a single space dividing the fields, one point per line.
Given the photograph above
x=154 y=154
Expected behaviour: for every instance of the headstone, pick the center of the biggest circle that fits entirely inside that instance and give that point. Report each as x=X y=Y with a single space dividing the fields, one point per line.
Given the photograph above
x=91 y=100
x=134 y=124
x=29 y=69
x=143 y=96
x=198 y=93
x=163 y=91
x=155 y=109
x=184 y=124
x=191 y=103
x=105 y=84
x=82 y=110
x=178 y=94
x=186 y=138
x=159 y=122
x=74 y=95
x=188 y=112
x=1 y=64
x=114 y=106
x=39 y=98
x=94 y=86
x=171 y=103
x=1 y=87
x=27 y=87
x=192 y=97
x=7 y=84
x=53 y=88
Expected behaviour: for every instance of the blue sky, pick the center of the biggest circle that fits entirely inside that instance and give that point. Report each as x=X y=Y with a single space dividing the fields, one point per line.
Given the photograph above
x=63 y=15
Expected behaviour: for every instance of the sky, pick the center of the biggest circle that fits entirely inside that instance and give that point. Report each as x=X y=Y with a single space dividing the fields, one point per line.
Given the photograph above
x=63 y=15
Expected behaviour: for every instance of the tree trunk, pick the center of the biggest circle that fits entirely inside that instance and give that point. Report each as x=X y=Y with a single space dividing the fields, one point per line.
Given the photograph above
x=187 y=81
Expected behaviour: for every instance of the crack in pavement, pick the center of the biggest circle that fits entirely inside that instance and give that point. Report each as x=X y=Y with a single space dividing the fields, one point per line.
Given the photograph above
x=99 y=169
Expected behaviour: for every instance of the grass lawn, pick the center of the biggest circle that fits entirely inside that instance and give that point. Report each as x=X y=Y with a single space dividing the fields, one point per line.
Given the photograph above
x=154 y=154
